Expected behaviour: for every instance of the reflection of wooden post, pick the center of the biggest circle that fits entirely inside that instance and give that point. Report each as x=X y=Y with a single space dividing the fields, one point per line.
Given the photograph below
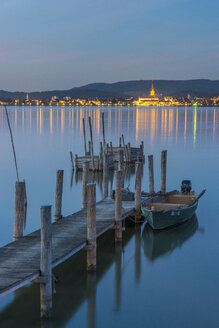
x=121 y=167
x=58 y=196
x=46 y=263
x=118 y=207
x=137 y=190
x=137 y=254
x=91 y=300
x=163 y=170
x=91 y=227
x=151 y=174
x=19 y=210
x=85 y=177
x=105 y=175
x=118 y=275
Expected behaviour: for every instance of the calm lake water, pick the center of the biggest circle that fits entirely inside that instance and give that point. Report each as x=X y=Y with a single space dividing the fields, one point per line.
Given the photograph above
x=164 y=279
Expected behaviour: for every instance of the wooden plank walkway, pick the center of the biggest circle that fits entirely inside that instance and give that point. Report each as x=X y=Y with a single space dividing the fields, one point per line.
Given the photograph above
x=20 y=260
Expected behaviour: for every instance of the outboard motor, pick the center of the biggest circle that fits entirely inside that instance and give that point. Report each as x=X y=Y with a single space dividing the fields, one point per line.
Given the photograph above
x=186 y=186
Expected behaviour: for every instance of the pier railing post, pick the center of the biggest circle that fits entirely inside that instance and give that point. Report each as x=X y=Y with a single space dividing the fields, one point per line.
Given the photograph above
x=91 y=227
x=118 y=207
x=58 y=196
x=138 y=169
x=163 y=170
x=46 y=263
x=19 y=211
x=151 y=174
x=85 y=177
x=121 y=166
x=105 y=175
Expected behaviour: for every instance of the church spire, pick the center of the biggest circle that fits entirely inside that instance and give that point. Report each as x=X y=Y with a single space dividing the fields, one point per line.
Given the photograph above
x=152 y=89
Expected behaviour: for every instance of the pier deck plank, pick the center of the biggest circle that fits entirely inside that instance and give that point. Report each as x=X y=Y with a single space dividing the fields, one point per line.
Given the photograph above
x=20 y=260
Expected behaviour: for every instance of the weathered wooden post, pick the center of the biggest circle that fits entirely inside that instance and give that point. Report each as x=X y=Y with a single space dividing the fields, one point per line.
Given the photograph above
x=89 y=147
x=91 y=227
x=85 y=142
x=105 y=175
x=111 y=147
x=137 y=190
x=46 y=263
x=163 y=170
x=151 y=174
x=19 y=211
x=72 y=162
x=120 y=142
x=118 y=207
x=92 y=144
x=58 y=196
x=142 y=148
x=121 y=167
x=85 y=177
x=76 y=161
x=103 y=130
x=129 y=152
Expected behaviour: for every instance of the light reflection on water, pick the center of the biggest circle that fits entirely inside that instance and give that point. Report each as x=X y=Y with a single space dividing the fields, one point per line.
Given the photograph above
x=153 y=278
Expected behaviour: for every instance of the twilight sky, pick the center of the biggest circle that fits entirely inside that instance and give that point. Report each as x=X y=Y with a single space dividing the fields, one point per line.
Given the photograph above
x=54 y=44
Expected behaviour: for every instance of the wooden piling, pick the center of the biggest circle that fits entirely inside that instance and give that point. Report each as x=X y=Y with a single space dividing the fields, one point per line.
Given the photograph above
x=85 y=178
x=120 y=142
x=163 y=170
x=89 y=147
x=103 y=130
x=121 y=167
x=58 y=196
x=92 y=145
x=151 y=174
x=118 y=207
x=111 y=147
x=105 y=175
x=137 y=190
x=129 y=152
x=91 y=227
x=85 y=142
x=19 y=212
x=46 y=263
x=72 y=162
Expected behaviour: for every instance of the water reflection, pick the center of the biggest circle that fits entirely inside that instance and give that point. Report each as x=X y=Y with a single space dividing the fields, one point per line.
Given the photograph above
x=157 y=243
x=152 y=123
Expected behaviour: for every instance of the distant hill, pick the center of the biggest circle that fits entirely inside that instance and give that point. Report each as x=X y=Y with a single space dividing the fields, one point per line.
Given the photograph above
x=175 y=88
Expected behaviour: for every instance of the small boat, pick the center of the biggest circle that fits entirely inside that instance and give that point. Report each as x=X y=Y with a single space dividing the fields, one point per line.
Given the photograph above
x=168 y=209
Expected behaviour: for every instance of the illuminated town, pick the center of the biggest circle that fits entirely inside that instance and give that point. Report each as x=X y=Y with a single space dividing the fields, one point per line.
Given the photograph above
x=151 y=100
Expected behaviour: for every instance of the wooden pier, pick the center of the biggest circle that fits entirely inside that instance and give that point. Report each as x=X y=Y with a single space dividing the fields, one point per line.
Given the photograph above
x=20 y=260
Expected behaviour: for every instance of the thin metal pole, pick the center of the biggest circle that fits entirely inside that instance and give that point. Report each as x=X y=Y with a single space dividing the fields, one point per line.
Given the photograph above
x=85 y=141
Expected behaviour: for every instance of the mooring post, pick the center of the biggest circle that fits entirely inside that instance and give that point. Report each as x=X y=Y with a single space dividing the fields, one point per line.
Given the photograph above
x=137 y=190
x=85 y=177
x=163 y=170
x=120 y=142
x=76 y=161
x=129 y=152
x=91 y=227
x=151 y=174
x=46 y=263
x=111 y=147
x=58 y=196
x=105 y=175
x=85 y=142
x=19 y=211
x=103 y=130
x=142 y=148
x=121 y=167
x=72 y=162
x=92 y=144
x=118 y=207
x=89 y=147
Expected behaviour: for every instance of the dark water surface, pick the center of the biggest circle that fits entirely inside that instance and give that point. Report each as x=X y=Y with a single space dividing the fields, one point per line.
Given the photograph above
x=167 y=279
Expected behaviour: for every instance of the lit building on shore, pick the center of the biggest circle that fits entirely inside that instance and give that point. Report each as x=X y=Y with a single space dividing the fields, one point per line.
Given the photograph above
x=150 y=100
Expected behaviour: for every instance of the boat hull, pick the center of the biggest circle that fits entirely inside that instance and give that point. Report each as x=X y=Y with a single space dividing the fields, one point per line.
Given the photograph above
x=161 y=219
